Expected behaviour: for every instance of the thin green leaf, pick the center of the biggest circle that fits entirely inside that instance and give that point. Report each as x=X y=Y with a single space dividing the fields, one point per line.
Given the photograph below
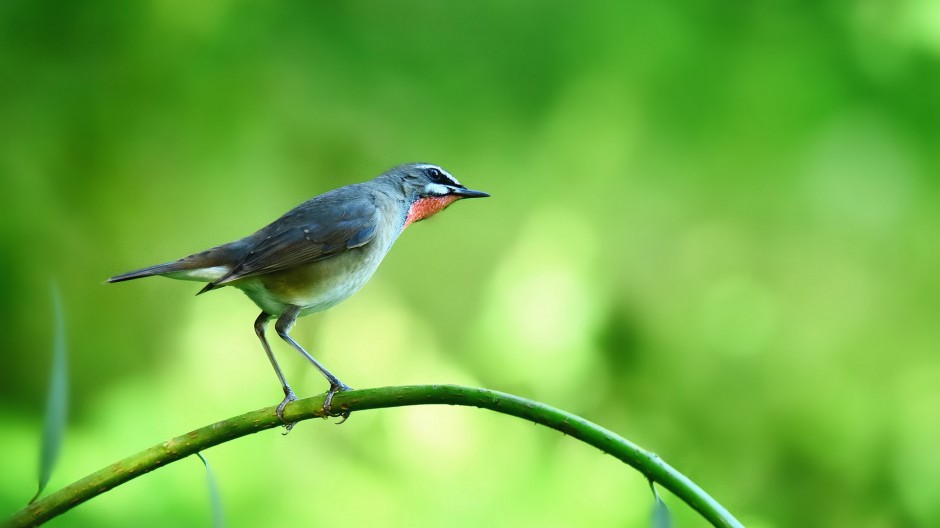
x=57 y=398
x=214 y=497
x=660 y=517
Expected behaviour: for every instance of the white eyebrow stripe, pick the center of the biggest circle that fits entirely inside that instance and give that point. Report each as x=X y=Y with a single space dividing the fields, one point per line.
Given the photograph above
x=446 y=174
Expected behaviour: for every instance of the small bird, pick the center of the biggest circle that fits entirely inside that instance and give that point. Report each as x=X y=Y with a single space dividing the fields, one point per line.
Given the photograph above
x=318 y=254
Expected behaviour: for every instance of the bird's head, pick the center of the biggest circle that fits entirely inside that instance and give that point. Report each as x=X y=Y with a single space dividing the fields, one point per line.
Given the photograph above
x=429 y=189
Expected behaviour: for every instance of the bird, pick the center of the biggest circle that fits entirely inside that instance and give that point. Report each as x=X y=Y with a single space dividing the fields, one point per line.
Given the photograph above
x=318 y=254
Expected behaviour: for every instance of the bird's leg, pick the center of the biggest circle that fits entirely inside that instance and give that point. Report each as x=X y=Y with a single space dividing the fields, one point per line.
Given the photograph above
x=260 y=323
x=283 y=326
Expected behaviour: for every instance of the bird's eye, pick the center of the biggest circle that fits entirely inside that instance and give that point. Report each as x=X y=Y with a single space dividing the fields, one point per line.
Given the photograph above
x=434 y=174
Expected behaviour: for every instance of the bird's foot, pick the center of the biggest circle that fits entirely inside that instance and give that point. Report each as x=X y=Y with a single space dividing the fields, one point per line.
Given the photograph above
x=328 y=402
x=288 y=397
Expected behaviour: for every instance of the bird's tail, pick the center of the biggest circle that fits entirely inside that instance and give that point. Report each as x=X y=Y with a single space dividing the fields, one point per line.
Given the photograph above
x=207 y=266
x=159 y=269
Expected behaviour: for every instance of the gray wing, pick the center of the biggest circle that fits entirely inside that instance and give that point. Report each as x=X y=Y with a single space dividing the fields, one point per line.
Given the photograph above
x=320 y=228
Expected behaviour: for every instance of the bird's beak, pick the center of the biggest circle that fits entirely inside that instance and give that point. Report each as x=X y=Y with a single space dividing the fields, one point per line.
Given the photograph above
x=468 y=193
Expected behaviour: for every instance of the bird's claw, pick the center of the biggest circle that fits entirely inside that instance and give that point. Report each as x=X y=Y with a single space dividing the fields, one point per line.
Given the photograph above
x=288 y=397
x=328 y=402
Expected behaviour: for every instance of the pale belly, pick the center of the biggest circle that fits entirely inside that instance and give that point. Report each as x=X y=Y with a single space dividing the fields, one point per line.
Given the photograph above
x=313 y=287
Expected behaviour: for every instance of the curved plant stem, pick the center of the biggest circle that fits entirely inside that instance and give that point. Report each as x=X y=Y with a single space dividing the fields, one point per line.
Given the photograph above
x=650 y=465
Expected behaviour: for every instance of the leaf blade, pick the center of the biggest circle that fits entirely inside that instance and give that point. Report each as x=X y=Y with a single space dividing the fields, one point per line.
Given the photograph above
x=660 y=517
x=215 y=498
x=56 y=398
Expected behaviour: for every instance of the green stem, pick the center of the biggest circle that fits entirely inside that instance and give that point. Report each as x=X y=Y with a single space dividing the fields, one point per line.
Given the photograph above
x=650 y=465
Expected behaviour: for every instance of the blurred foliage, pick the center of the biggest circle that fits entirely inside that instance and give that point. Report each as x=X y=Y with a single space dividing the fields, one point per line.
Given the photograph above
x=713 y=230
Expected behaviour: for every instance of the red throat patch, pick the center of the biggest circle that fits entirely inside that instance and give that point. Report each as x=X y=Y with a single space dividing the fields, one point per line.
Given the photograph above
x=428 y=207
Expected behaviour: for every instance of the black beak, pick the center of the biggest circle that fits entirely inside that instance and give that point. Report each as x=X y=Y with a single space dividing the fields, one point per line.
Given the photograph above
x=468 y=193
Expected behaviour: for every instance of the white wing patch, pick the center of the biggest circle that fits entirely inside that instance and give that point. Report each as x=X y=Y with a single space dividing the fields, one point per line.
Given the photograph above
x=201 y=274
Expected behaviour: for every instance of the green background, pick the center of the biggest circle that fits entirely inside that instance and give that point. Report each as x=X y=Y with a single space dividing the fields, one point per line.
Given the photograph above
x=714 y=230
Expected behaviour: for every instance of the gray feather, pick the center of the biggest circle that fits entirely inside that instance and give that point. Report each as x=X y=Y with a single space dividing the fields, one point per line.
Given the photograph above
x=320 y=228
